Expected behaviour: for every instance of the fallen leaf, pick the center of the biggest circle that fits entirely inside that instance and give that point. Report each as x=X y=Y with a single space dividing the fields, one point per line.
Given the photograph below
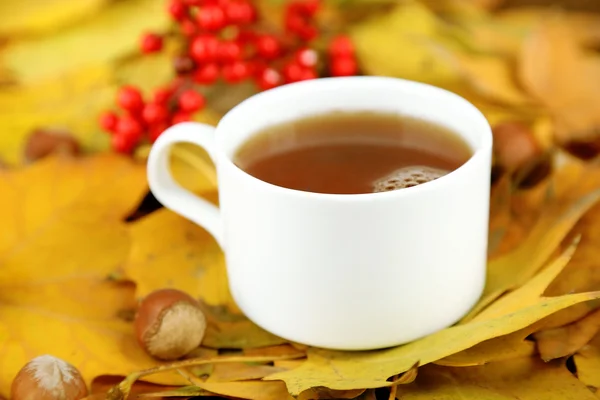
x=348 y=370
x=530 y=293
x=170 y=251
x=513 y=269
x=587 y=361
x=227 y=330
x=35 y=17
x=241 y=372
x=523 y=379
x=321 y=393
x=70 y=102
x=185 y=391
x=492 y=77
x=566 y=340
x=563 y=76
x=62 y=237
x=501 y=348
x=112 y=34
x=406 y=29
x=253 y=390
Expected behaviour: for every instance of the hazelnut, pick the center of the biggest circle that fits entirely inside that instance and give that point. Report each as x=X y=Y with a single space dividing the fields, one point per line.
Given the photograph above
x=169 y=324
x=515 y=146
x=43 y=142
x=48 y=378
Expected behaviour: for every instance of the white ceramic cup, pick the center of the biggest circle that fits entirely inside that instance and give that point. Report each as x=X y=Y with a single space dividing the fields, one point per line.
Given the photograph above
x=351 y=272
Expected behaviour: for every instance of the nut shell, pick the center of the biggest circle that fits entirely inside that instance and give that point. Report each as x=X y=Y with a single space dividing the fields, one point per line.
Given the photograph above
x=515 y=146
x=44 y=142
x=169 y=324
x=48 y=378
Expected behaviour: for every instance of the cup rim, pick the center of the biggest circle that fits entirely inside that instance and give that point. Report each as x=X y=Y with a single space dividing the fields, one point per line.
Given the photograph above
x=484 y=147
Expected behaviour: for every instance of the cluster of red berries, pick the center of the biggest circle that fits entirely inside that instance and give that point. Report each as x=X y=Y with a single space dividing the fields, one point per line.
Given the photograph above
x=224 y=41
x=147 y=120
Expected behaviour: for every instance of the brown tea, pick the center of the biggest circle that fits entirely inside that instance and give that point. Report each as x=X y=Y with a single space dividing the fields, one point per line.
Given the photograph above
x=352 y=153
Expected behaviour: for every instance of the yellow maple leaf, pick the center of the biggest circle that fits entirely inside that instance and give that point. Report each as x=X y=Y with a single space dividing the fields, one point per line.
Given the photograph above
x=35 y=17
x=112 y=34
x=62 y=237
x=523 y=378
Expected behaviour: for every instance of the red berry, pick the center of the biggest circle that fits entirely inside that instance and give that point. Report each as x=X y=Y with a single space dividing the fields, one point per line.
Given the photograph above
x=341 y=46
x=268 y=79
x=211 y=17
x=156 y=130
x=236 y=71
x=229 y=51
x=188 y=27
x=154 y=113
x=308 y=74
x=240 y=12
x=293 y=72
x=181 y=116
x=191 y=101
x=130 y=99
x=308 y=32
x=206 y=74
x=151 y=43
x=294 y=22
x=178 y=10
x=204 y=48
x=307 y=57
x=268 y=46
x=310 y=7
x=122 y=144
x=108 y=121
x=343 y=66
x=130 y=127
x=162 y=96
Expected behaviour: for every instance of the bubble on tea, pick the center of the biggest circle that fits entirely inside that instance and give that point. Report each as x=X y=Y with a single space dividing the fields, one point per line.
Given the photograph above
x=407 y=177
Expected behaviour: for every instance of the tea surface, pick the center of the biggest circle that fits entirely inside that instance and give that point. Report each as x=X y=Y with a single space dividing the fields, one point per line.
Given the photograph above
x=348 y=153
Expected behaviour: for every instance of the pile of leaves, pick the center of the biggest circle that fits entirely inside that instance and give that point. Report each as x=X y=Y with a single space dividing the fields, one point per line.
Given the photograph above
x=77 y=251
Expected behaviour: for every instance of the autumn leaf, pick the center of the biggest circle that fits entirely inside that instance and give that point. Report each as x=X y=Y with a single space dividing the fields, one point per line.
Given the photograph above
x=406 y=29
x=513 y=269
x=524 y=379
x=566 y=340
x=35 y=17
x=112 y=34
x=69 y=102
x=587 y=361
x=170 y=251
x=563 y=76
x=62 y=237
x=346 y=370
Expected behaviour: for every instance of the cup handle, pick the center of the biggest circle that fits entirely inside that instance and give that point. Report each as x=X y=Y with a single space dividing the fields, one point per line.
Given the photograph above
x=171 y=194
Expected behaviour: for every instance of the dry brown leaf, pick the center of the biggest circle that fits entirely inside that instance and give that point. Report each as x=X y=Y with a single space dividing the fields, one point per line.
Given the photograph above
x=322 y=393
x=524 y=379
x=563 y=76
x=241 y=372
x=566 y=340
x=513 y=269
